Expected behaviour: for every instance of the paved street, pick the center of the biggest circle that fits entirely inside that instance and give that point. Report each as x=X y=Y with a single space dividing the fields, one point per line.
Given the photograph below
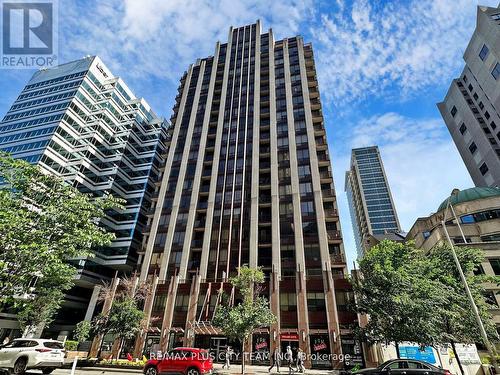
x=234 y=370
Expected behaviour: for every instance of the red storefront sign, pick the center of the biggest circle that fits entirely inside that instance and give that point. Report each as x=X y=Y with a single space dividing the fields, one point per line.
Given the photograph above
x=289 y=337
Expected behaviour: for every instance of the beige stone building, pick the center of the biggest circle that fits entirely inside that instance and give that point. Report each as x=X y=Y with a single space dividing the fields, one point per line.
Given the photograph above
x=478 y=212
x=248 y=180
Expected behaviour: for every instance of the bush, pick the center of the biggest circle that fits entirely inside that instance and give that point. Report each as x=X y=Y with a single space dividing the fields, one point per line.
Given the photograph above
x=71 y=345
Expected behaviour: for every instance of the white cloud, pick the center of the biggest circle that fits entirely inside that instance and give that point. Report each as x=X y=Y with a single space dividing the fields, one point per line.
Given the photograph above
x=161 y=38
x=391 y=49
x=422 y=165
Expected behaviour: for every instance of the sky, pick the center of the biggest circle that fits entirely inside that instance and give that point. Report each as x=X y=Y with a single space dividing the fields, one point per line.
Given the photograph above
x=382 y=67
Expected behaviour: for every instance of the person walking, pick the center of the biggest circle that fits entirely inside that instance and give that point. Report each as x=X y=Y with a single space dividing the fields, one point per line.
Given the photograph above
x=289 y=359
x=300 y=361
x=228 y=354
x=275 y=360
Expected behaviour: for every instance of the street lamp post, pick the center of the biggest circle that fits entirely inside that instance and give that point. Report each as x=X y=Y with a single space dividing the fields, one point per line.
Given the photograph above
x=475 y=310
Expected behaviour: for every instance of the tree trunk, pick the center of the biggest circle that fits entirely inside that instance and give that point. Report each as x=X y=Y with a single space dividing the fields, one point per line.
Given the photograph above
x=120 y=349
x=243 y=355
x=100 y=346
x=456 y=356
x=397 y=350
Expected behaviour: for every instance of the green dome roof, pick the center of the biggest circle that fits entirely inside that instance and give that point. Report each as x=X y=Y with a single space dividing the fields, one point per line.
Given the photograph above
x=470 y=195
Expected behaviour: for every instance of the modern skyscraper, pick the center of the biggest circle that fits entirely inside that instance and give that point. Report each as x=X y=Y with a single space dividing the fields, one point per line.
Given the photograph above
x=83 y=124
x=372 y=208
x=471 y=106
x=248 y=181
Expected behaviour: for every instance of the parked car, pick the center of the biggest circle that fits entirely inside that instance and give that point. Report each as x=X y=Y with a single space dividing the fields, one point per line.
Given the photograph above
x=404 y=367
x=21 y=355
x=186 y=361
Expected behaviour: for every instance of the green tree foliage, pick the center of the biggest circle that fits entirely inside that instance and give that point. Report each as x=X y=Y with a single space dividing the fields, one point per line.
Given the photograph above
x=238 y=322
x=456 y=321
x=124 y=320
x=414 y=296
x=43 y=223
x=82 y=330
x=399 y=301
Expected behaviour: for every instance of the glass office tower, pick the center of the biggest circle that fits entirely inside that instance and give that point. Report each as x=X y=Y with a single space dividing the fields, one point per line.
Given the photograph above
x=370 y=200
x=81 y=123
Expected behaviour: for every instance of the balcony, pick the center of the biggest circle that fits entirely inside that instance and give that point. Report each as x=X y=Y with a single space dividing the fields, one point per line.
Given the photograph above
x=333 y=235
x=337 y=258
x=331 y=212
x=325 y=175
x=264 y=199
x=327 y=194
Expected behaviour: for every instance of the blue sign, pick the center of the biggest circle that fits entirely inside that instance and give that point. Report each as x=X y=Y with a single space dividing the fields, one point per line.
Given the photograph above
x=414 y=352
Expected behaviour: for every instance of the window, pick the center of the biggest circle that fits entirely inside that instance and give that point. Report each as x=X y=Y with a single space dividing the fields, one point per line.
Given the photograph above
x=472 y=148
x=495 y=264
x=487 y=115
x=307 y=208
x=398 y=365
x=496 y=71
x=490 y=298
x=305 y=188
x=493 y=125
x=463 y=128
x=483 y=169
x=453 y=111
x=484 y=52
x=288 y=302
x=417 y=365
x=304 y=171
x=468 y=219
x=481 y=105
x=316 y=301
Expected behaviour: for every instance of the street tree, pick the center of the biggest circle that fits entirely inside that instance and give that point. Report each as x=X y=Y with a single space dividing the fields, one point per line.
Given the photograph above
x=44 y=222
x=124 y=320
x=239 y=321
x=397 y=297
x=456 y=321
x=82 y=330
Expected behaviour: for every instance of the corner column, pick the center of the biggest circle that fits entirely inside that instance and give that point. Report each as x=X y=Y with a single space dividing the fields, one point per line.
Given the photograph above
x=192 y=308
x=96 y=343
x=169 y=312
x=274 y=292
x=303 y=317
x=148 y=308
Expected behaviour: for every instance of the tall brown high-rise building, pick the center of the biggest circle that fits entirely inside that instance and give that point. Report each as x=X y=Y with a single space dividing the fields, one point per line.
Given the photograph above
x=248 y=180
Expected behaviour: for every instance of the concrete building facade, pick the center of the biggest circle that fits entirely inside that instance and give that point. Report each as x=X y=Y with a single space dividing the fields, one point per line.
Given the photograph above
x=471 y=106
x=371 y=205
x=248 y=180
x=478 y=212
x=83 y=124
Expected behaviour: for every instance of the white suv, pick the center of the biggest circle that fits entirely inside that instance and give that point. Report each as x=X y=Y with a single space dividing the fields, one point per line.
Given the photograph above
x=23 y=354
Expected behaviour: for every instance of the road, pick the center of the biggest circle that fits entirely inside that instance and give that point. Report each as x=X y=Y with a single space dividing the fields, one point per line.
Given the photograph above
x=234 y=370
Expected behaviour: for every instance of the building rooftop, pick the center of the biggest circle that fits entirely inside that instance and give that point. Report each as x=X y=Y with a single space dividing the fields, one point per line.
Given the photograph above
x=467 y=195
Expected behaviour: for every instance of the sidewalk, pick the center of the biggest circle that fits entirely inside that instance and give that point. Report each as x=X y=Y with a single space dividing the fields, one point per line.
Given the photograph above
x=250 y=369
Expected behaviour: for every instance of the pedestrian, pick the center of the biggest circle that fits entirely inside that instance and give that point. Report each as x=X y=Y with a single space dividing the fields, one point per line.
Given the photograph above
x=228 y=354
x=300 y=361
x=289 y=358
x=275 y=360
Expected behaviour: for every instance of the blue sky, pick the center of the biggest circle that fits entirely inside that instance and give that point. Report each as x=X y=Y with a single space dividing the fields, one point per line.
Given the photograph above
x=382 y=67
